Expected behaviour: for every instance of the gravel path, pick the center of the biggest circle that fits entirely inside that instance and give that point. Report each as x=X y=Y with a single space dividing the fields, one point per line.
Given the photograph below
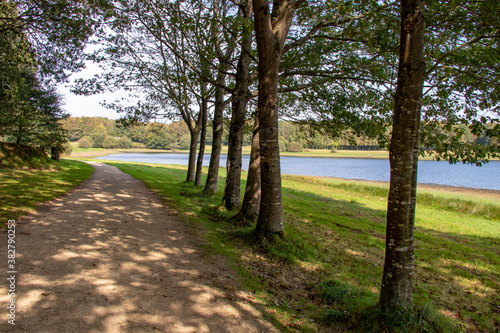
x=109 y=257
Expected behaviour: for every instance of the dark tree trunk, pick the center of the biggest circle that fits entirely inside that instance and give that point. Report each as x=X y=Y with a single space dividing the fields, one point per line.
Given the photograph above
x=55 y=154
x=232 y=191
x=213 y=168
x=251 y=202
x=397 y=280
x=211 y=185
x=271 y=31
x=191 y=173
x=203 y=137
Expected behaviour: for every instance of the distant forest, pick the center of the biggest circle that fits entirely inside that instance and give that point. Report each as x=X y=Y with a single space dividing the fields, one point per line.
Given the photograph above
x=98 y=132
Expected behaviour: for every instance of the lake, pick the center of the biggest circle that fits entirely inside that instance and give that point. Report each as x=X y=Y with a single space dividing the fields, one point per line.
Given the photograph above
x=430 y=172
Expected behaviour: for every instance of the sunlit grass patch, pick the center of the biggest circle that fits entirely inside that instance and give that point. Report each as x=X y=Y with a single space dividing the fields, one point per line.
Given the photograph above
x=22 y=189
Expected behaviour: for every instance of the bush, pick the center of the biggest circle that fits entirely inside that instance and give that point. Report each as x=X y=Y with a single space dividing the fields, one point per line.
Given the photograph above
x=98 y=140
x=109 y=142
x=138 y=145
x=84 y=143
x=67 y=149
x=295 y=147
x=159 y=140
x=124 y=142
x=282 y=145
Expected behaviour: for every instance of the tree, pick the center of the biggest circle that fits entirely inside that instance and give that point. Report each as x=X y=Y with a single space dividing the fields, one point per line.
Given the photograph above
x=42 y=42
x=109 y=143
x=455 y=95
x=157 y=49
x=240 y=97
x=271 y=29
x=84 y=143
x=98 y=140
x=30 y=111
x=219 y=20
x=295 y=146
x=397 y=281
x=124 y=142
x=58 y=32
x=251 y=201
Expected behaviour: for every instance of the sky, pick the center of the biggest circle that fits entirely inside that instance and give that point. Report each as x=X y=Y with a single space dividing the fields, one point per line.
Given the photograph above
x=87 y=106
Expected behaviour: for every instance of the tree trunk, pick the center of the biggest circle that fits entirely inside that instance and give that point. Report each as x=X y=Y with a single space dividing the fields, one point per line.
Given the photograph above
x=213 y=168
x=191 y=173
x=54 y=154
x=211 y=185
x=251 y=202
x=232 y=191
x=397 y=280
x=203 y=136
x=271 y=31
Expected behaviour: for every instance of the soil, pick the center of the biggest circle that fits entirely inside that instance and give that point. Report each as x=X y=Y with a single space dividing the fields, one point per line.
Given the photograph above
x=109 y=256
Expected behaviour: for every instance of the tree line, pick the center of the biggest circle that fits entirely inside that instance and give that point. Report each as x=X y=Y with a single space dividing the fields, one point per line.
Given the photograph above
x=293 y=137
x=414 y=75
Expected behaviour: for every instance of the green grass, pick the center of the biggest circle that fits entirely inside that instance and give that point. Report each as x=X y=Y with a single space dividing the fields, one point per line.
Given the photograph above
x=14 y=156
x=328 y=269
x=22 y=189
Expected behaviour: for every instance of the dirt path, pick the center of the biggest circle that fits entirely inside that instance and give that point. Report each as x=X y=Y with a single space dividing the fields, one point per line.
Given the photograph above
x=109 y=257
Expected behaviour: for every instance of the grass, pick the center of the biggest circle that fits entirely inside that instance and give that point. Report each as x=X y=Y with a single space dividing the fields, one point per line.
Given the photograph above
x=22 y=189
x=14 y=156
x=328 y=269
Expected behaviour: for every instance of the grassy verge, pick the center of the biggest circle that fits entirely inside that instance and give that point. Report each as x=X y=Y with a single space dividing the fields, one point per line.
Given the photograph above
x=22 y=189
x=328 y=271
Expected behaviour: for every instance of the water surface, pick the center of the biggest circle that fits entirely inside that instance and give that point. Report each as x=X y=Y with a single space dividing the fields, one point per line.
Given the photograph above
x=429 y=172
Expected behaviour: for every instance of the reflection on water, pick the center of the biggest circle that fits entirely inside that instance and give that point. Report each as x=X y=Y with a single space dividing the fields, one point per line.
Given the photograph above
x=430 y=172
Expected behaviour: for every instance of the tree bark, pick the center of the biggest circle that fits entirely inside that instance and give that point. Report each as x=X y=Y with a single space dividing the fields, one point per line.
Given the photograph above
x=397 y=280
x=271 y=30
x=232 y=191
x=213 y=168
x=203 y=136
x=55 y=154
x=211 y=185
x=251 y=202
x=191 y=173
